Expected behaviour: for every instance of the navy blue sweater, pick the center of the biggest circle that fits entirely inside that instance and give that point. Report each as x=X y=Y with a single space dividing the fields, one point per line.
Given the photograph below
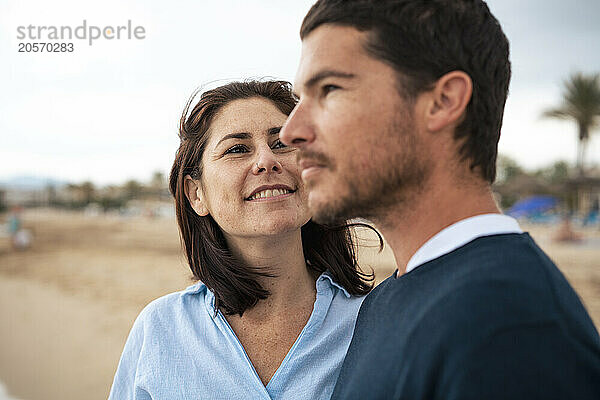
x=493 y=319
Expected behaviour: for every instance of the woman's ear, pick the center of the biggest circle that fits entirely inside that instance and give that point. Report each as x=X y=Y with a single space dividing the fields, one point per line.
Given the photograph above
x=193 y=192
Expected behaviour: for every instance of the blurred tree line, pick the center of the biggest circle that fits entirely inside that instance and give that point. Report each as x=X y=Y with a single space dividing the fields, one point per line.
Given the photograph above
x=514 y=182
x=78 y=196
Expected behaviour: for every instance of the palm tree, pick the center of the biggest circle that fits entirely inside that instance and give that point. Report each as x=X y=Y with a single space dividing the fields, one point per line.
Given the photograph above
x=581 y=103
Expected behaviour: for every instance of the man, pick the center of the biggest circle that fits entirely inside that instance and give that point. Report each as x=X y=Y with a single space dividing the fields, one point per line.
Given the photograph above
x=398 y=121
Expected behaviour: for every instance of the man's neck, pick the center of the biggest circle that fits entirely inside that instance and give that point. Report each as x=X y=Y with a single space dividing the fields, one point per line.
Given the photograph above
x=411 y=224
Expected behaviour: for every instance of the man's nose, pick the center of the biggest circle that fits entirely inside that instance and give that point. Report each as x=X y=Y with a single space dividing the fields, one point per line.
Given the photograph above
x=298 y=129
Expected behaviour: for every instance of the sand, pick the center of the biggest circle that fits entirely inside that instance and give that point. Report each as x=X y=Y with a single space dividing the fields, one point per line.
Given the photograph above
x=68 y=302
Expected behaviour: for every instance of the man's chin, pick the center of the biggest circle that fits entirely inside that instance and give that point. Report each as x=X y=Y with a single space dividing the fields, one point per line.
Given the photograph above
x=325 y=210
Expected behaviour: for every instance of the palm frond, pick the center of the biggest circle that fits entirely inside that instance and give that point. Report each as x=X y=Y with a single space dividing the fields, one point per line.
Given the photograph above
x=558 y=113
x=581 y=100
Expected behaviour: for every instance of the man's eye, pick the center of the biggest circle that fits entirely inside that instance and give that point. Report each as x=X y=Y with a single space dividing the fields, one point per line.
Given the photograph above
x=326 y=89
x=238 y=148
x=279 y=145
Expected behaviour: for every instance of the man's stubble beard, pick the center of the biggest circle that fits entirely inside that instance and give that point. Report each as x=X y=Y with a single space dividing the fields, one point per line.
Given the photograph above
x=393 y=181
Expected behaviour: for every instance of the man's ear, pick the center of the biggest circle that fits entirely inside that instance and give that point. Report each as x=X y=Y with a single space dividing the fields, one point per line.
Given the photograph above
x=193 y=192
x=449 y=100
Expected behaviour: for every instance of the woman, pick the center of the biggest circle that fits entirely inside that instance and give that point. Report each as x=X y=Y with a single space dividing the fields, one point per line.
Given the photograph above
x=274 y=309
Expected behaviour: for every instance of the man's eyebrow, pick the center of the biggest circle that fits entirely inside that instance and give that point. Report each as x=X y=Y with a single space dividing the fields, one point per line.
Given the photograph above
x=328 y=73
x=238 y=135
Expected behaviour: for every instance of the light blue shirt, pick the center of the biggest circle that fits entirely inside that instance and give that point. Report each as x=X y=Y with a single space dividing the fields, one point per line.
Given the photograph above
x=179 y=349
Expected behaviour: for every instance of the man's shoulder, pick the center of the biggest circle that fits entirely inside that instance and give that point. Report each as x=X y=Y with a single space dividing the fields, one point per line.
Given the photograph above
x=496 y=273
x=506 y=259
x=494 y=290
x=491 y=282
x=495 y=283
x=498 y=260
x=509 y=250
x=509 y=271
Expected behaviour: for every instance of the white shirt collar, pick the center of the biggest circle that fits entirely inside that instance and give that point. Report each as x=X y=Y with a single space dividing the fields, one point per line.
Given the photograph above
x=461 y=233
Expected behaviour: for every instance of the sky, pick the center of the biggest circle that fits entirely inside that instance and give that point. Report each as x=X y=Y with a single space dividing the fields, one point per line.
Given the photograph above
x=109 y=112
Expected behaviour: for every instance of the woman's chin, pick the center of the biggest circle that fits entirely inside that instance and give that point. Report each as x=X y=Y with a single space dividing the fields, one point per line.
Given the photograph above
x=269 y=228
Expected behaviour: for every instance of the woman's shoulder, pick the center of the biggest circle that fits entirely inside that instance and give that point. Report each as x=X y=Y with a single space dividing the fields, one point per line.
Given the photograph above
x=327 y=280
x=173 y=305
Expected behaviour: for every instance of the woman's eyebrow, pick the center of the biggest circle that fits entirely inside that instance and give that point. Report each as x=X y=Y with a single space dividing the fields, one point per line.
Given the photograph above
x=245 y=135
x=239 y=135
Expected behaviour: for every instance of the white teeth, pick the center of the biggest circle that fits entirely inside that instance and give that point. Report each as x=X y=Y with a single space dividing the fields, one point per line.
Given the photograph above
x=269 y=193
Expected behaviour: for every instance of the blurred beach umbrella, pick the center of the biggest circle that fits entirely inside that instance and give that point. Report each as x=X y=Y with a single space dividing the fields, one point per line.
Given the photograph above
x=532 y=206
x=581 y=103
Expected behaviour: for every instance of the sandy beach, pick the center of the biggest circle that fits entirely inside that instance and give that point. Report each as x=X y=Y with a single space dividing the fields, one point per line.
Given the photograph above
x=68 y=302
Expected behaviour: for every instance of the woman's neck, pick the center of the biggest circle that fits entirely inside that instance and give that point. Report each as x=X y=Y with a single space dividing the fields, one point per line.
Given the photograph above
x=282 y=255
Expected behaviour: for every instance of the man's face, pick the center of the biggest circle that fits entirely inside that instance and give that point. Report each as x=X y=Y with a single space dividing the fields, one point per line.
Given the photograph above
x=360 y=152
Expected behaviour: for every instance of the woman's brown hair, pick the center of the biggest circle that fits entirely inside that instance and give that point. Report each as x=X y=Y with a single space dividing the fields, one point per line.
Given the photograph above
x=234 y=284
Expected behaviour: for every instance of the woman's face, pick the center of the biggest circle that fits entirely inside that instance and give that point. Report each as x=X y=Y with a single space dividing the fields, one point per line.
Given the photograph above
x=250 y=181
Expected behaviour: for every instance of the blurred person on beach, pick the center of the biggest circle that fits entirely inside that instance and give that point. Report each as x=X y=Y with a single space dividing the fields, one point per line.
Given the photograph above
x=398 y=121
x=20 y=238
x=278 y=294
x=14 y=224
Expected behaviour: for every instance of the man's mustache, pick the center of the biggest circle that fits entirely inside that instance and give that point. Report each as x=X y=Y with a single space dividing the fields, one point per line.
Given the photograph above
x=314 y=156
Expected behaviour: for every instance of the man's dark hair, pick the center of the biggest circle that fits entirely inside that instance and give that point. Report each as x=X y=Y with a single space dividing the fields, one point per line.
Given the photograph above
x=234 y=284
x=425 y=39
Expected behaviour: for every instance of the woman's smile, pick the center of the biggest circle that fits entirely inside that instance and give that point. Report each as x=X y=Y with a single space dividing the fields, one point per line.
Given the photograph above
x=271 y=193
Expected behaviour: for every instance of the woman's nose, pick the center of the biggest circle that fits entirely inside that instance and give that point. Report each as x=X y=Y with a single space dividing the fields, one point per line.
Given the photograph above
x=267 y=162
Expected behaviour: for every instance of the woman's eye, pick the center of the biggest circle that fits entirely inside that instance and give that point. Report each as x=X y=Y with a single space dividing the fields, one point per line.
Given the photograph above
x=279 y=144
x=238 y=148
